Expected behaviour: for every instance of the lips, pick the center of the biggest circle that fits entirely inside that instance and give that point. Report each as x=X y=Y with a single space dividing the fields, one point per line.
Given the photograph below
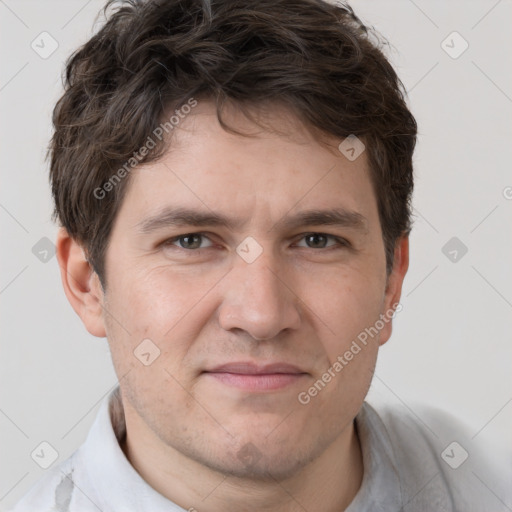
x=250 y=368
x=252 y=377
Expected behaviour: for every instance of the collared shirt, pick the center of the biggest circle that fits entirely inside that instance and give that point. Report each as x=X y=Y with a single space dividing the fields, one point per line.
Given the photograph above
x=412 y=463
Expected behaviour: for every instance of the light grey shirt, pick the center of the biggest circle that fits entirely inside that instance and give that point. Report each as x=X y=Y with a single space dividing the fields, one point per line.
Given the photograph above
x=413 y=462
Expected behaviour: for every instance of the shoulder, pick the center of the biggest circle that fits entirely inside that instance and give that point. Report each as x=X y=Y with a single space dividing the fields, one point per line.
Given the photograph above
x=437 y=457
x=53 y=491
x=66 y=487
x=74 y=484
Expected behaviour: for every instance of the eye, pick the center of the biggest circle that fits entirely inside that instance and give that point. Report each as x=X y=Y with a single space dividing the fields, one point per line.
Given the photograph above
x=189 y=241
x=320 y=241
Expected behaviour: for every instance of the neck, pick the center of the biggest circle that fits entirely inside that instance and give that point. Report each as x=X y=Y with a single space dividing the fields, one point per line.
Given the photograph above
x=328 y=483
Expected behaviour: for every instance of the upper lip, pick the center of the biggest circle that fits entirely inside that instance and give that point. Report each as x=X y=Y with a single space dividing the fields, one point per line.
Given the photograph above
x=251 y=368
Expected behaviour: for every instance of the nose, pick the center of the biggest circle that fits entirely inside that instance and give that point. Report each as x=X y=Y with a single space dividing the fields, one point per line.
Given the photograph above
x=258 y=299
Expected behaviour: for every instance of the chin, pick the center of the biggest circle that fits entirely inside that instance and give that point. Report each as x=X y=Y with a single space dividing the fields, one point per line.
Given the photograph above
x=257 y=458
x=266 y=468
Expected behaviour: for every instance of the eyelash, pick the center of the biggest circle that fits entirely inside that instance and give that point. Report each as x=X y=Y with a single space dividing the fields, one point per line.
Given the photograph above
x=341 y=242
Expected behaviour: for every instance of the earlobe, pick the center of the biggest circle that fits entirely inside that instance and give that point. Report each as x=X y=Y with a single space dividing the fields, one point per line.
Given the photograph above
x=81 y=284
x=394 y=285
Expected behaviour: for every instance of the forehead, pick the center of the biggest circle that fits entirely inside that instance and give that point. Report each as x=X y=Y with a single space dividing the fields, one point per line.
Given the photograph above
x=280 y=167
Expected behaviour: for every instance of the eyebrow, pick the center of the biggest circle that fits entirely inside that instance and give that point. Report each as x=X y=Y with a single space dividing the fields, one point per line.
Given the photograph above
x=325 y=217
x=184 y=217
x=177 y=217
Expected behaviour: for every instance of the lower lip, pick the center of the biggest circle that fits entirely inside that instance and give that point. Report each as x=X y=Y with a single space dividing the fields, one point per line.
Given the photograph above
x=261 y=382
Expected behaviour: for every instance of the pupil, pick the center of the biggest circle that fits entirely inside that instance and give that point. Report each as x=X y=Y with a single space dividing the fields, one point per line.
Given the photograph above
x=191 y=240
x=316 y=240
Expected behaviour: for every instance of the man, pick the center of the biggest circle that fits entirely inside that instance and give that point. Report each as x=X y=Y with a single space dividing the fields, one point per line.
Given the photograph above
x=233 y=182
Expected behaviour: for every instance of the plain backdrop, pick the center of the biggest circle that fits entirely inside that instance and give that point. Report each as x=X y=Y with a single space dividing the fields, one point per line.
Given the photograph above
x=451 y=345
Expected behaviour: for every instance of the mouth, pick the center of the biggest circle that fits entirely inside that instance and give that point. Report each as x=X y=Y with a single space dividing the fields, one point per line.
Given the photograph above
x=249 y=376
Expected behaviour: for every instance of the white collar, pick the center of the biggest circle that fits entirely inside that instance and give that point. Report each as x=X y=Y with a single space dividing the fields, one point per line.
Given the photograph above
x=115 y=481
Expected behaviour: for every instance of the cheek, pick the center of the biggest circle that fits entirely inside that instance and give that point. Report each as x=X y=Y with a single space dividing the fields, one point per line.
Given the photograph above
x=348 y=306
x=159 y=305
x=345 y=302
x=351 y=354
x=156 y=300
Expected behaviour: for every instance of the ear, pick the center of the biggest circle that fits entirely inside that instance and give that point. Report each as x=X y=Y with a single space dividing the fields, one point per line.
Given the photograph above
x=394 y=286
x=81 y=284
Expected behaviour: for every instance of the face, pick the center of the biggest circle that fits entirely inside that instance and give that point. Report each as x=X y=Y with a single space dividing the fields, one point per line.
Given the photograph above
x=231 y=254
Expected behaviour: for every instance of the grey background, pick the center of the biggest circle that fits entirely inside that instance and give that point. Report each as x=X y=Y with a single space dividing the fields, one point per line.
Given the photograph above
x=451 y=343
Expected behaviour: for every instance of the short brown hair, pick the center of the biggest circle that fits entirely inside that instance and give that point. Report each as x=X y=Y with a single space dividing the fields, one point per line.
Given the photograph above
x=151 y=56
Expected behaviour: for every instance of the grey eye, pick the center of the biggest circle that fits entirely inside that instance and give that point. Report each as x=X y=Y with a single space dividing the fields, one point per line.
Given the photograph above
x=191 y=241
x=317 y=241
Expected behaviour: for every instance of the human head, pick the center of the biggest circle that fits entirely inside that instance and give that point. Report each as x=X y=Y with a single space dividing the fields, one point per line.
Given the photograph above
x=195 y=309
x=152 y=57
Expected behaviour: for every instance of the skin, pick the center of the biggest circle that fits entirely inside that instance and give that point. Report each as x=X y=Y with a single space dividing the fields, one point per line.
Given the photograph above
x=299 y=302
